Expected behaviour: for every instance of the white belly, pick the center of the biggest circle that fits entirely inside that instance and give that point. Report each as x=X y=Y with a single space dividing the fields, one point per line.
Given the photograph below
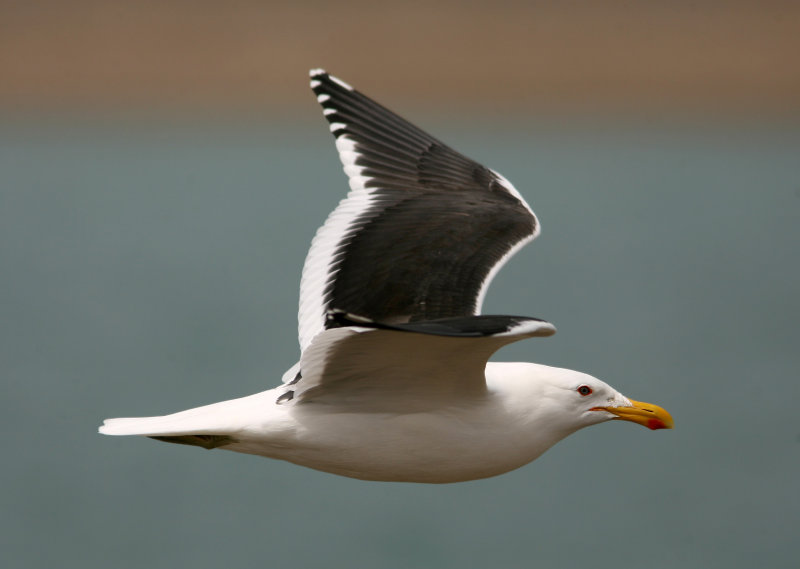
x=451 y=445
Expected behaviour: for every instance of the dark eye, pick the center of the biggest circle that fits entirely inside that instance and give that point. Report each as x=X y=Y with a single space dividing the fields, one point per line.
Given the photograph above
x=585 y=390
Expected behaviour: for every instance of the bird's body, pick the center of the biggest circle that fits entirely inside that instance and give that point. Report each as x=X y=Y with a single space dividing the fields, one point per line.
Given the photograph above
x=394 y=383
x=437 y=439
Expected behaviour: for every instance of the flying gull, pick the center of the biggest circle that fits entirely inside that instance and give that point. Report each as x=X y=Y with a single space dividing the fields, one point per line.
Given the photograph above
x=394 y=382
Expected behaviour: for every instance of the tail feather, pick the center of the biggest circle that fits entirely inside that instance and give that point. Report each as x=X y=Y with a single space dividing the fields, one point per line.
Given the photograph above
x=217 y=421
x=169 y=429
x=147 y=426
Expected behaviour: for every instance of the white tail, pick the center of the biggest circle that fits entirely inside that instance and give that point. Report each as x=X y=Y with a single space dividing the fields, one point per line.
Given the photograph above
x=223 y=418
x=148 y=426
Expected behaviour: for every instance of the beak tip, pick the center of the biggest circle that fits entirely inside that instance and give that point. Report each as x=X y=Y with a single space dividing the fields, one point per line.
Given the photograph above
x=656 y=424
x=646 y=414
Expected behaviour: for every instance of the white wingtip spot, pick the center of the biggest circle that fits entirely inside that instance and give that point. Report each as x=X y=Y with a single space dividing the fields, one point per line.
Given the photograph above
x=315 y=83
x=323 y=97
x=337 y=126
x=327 y=112
x=340 y=82
x=315 y=72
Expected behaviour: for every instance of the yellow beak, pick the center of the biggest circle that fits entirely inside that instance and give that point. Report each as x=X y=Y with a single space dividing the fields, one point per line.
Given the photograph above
x=646 y=414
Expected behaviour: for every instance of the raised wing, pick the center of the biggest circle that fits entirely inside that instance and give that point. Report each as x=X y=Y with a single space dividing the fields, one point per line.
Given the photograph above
x=365 y=365
x=421 y=233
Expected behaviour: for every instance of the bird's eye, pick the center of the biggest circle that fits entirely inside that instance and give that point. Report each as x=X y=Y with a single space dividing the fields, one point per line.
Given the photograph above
x=585 y=390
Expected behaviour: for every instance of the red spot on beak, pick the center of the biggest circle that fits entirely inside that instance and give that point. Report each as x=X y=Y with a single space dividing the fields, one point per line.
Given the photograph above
x=655 y=424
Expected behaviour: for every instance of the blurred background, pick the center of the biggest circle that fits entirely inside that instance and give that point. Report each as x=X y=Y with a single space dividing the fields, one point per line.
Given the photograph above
x=245 y=57
x=165 y=165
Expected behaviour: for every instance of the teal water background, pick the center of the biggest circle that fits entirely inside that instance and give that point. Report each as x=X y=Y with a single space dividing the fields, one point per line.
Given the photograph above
x=148 y=268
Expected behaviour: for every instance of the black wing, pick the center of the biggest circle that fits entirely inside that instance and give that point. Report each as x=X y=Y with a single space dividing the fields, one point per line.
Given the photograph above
x=423 y=230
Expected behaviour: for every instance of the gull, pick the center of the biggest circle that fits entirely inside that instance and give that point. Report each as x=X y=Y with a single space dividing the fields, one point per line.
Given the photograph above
x=394 y=381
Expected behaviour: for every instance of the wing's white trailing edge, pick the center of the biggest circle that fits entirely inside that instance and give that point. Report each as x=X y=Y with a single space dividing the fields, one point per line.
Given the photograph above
x=319 y=266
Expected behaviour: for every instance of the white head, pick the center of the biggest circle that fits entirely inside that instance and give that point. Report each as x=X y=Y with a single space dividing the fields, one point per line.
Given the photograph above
x=571 y=400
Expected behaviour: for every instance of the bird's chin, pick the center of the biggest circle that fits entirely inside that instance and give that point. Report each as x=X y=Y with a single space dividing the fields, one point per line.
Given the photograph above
x=646 y=414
